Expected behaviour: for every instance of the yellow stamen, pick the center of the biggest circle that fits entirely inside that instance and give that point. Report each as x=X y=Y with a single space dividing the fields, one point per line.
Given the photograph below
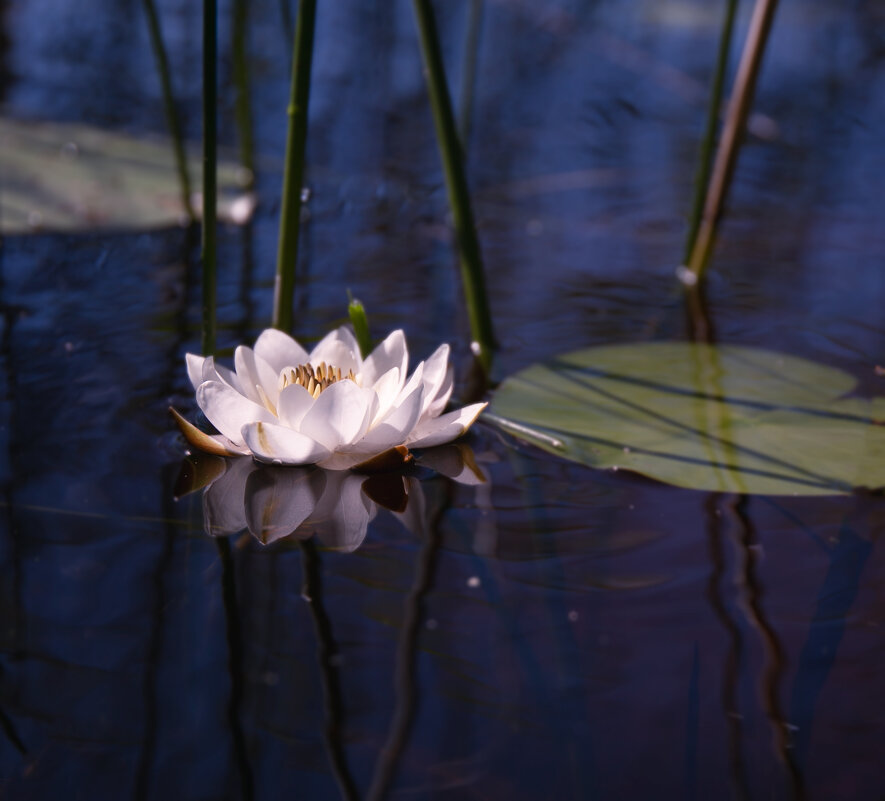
x=313 y=379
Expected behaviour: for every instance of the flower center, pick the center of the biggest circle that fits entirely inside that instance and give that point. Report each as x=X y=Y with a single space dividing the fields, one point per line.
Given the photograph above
x=314 y=379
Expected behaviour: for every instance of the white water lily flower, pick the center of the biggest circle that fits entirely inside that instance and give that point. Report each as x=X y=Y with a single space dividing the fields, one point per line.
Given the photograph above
x=330 y=407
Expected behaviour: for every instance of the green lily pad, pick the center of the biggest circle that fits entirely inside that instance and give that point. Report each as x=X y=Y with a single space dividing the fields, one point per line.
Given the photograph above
x=70 y=177
x=719 y=418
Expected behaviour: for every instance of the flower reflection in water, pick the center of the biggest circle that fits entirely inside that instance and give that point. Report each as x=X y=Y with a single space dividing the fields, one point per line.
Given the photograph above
x=334 y=506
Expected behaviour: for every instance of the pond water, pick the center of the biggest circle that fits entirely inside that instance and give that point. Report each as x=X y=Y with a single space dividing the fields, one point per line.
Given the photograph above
x=554 y=633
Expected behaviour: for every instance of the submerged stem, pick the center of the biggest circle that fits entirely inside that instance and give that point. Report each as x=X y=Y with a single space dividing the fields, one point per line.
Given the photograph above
x=296 y=141
x=456 y=185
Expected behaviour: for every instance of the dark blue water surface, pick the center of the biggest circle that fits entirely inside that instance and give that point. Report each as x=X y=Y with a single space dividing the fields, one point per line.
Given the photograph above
x=556 y=633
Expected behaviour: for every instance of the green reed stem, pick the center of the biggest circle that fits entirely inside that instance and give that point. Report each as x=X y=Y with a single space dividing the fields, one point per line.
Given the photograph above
x=210 y=159
x=456 y=185
x=735 y=122
x=243 y=100
x=296 y=141
x=360 y=323
x=172 y=120
x=705 y=160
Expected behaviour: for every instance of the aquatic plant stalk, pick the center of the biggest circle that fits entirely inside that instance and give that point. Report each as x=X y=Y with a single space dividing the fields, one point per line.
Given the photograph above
x=729 y=144
x=210 y=159
x=169 y=104
x=456 y=185
x=242 y=101
x=705 y=161
x=296 y=140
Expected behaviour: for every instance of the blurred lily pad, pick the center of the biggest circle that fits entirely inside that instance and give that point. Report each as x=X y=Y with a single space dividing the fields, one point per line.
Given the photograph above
x=71 y=177
x=726 y=418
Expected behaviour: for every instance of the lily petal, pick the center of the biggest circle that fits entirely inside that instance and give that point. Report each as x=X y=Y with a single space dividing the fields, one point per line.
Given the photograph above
x=194 y=368
x=340 y=415
x=277 y=444
x=253 y=372
x=416 y=380
x=217 y=445
x=343 y=513
x=387 y=387
x=223 y=511
x=204 y=368
x=395 y=427
x=436 y=370
x=338 y=348
x=279 y=350
x=392 y=352
x=278 y=501
x=438 y=404
x=228 y=410
x=294 y=402
x=212 y=371
x=442 y=429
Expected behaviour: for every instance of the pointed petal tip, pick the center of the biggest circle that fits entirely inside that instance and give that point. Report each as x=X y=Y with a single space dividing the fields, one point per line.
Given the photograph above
x=201 y=440
x=446 y=427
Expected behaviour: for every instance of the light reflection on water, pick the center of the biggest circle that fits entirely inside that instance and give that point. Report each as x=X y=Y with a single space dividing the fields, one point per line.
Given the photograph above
x=557 y=633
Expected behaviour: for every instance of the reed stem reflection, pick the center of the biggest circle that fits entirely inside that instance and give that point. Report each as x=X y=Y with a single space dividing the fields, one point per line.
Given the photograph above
x=728 y=515
x=327 y=653
x=407 y=650
x=235 y=666
x=735 y=654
